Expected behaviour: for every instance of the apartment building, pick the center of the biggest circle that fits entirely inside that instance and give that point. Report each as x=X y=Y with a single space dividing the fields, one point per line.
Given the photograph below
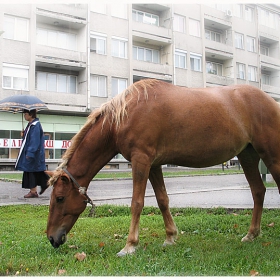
x=75 y=57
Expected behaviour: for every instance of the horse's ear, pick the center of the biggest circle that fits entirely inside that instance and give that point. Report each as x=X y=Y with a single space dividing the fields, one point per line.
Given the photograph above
x=50 y=173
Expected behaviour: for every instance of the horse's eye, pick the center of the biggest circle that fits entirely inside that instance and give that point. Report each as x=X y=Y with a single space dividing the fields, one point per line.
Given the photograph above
x=60 y=199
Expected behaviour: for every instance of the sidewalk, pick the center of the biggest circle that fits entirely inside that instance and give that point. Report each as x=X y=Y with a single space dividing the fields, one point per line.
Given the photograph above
x=229 y=191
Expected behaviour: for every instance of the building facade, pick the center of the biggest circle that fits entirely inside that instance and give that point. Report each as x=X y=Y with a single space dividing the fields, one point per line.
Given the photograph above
x=75 y=57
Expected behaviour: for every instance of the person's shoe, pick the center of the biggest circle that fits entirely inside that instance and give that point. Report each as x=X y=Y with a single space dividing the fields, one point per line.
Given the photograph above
x=31 y=195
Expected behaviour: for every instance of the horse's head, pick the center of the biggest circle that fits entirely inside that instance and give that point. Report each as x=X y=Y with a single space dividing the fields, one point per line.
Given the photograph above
x=67 y=202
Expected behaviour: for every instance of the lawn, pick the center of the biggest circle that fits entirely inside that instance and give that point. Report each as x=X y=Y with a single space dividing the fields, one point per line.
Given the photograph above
x=208 y=244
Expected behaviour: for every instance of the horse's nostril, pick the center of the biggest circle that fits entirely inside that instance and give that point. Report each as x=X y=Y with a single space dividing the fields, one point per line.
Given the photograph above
x=51 y=240
x=63 y=238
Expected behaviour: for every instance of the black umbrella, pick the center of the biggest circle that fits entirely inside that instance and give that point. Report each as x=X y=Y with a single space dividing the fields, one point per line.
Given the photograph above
x=18 y=103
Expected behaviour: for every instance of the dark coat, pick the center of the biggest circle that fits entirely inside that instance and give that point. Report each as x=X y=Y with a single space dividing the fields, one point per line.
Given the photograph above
x=31 y=157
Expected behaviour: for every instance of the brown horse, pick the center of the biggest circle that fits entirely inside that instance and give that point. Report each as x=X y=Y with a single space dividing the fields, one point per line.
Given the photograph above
x=154 y=123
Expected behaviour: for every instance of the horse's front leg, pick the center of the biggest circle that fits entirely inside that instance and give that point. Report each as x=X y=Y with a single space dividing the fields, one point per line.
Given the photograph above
x=156 y=179
x=140 y=173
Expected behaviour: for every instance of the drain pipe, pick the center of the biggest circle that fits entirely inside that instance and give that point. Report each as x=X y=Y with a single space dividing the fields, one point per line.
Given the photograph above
x=88 y=58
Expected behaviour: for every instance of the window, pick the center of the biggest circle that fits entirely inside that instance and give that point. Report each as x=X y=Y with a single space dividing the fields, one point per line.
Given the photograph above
x=56 y=39
x=98 y=86
x=214 y=68
x=56 y=82
x=267 y=18
x=195 y=62
x=251 y=44
x=237 y=10
x=240 y=71
x=98 y=43
x=15 y=76
x=15 y=28
x=98 y=7
x=119 y=47
x=252 y=73
x=264 y=50
x=194 y=27
x=239 y=41
x=248 y=14
x=179 y=23
x=145 y=17
x=119 y=10
x=145 y=54
x=265 y=79
x=118 y=86
x=180 y=59
x=213 y=36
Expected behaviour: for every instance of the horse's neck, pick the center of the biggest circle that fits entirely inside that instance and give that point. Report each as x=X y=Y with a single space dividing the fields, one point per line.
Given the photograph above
x=94 y=152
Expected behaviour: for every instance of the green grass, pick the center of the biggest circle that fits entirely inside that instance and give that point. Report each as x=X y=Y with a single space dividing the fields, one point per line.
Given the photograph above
x=208 y=244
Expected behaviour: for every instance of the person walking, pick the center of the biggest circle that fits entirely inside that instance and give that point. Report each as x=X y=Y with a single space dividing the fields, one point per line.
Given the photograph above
x=31 y=157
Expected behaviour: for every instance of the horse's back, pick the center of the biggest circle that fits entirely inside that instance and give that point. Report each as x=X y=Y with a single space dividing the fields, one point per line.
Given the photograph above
x=190 y=126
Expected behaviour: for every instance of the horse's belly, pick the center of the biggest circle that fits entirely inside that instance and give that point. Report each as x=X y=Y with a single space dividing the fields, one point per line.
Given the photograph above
x=199 y=152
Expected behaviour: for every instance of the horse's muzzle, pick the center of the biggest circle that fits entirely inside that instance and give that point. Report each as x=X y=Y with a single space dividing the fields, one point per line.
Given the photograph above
x=56 y=243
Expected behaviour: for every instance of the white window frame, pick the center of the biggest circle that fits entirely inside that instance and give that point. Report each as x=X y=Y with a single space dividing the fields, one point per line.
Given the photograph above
x=213 y=36
x=119 y=87
x=144 y=17
x=251 y=44
x=16 y=75
x=264 y=50
x=241 y=72
x=194 y=27
x=180 y=59
x=193 y=58
x=267 y=18
x=179 y=23
x=265 y=79
x=52 y=38
x=252 y=73
x=155 y=55
x=237 y=10
x=120 y=42
x=248 y=13
x=98 y=86
x=98 y=7
x=214 y=68
x=17 y=29
x=239 y=41
x=98 y=38
x=119 y=10
x=57 y=86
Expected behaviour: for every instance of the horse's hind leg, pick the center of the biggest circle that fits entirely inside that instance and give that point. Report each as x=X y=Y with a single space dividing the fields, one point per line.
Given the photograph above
x=249 y=160
x=156 y=179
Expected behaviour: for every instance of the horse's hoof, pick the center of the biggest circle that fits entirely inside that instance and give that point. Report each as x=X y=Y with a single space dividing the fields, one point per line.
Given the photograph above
x=121 y=253
x=125 y=252
x=168 y=243
x=248 y=238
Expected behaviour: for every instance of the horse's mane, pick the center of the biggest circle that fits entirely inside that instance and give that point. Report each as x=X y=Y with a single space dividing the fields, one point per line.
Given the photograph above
x=112 y=111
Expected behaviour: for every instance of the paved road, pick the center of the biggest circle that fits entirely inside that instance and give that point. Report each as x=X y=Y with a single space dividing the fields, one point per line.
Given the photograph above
x=230 y=191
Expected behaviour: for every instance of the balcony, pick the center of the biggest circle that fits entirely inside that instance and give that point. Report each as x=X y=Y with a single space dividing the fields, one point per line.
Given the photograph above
x=60 y=58
x=67 y=16
x=212 y=79
x=270 y=63
x=152 y=70
x=216 y=21
x=219 y=50
x=273 y=91
x=157 y=35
